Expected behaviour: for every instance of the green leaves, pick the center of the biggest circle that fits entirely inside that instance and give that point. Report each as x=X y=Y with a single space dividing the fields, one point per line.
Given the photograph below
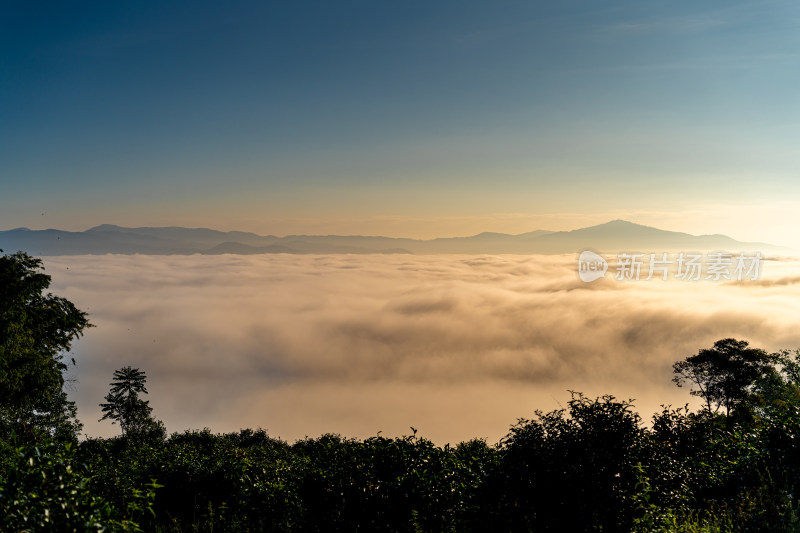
x=36 y=330
x=47 y=489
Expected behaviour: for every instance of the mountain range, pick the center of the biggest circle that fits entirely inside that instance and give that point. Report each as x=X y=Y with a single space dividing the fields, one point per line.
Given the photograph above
x=614 y=236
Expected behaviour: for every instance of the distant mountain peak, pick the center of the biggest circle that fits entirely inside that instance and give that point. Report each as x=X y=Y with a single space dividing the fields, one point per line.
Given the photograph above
x=105 y=227
x=619 y=223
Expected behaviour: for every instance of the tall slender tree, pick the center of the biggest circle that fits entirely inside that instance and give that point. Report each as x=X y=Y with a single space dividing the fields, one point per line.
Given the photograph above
x=124 y=405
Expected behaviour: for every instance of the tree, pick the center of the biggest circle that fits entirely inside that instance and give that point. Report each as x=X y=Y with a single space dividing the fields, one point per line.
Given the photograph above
x=36 y=331
x=123 y=405
x=724 y=375
x=573 y=469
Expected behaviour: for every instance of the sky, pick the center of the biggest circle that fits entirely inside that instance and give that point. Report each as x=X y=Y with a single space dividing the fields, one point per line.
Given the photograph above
x=405 y=119
x=414 y=119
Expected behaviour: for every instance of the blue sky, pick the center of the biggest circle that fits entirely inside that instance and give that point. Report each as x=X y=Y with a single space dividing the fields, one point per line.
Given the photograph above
x=403 y=118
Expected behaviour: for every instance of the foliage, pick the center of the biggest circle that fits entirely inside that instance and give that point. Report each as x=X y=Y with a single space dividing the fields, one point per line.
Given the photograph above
x=124 y=405
x=572 y=469
x=724 y=374
x=45 y=489
x=36 y=329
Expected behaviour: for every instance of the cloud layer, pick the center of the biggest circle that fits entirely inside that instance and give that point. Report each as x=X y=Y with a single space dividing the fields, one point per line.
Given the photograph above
x=457 y=346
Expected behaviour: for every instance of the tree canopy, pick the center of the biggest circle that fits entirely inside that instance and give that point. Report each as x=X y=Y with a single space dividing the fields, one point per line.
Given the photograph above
x=36 y=332
x=725 y=374
x=124 y=405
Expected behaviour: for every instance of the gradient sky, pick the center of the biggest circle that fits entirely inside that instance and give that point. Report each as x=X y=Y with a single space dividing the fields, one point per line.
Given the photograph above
x=404 y=118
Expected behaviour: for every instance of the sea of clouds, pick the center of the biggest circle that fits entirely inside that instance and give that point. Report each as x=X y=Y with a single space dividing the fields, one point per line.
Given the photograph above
x=455 y=346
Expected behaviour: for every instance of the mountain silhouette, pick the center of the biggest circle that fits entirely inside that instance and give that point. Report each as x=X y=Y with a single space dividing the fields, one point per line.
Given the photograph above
x=612 y=237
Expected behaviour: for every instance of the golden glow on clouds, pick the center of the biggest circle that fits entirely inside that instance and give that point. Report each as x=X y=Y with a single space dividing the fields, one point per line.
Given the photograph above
x=457 y=346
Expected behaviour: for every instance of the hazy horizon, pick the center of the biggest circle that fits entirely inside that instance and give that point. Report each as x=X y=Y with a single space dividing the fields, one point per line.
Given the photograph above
x=769 y=245
x=418 y=120
x=472 y=228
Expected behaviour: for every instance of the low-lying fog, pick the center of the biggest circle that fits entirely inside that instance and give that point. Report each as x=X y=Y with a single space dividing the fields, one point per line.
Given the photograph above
x=455 y=346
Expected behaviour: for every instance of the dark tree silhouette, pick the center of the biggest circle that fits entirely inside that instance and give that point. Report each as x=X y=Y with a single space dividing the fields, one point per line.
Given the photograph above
x=725 y=373
x=124 y=405
x=36 y=330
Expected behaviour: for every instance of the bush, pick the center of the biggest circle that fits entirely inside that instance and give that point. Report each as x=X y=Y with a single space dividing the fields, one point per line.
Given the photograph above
x=45 y=489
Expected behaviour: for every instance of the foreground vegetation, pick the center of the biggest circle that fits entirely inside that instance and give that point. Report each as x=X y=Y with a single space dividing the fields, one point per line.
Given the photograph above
x=734 y=465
